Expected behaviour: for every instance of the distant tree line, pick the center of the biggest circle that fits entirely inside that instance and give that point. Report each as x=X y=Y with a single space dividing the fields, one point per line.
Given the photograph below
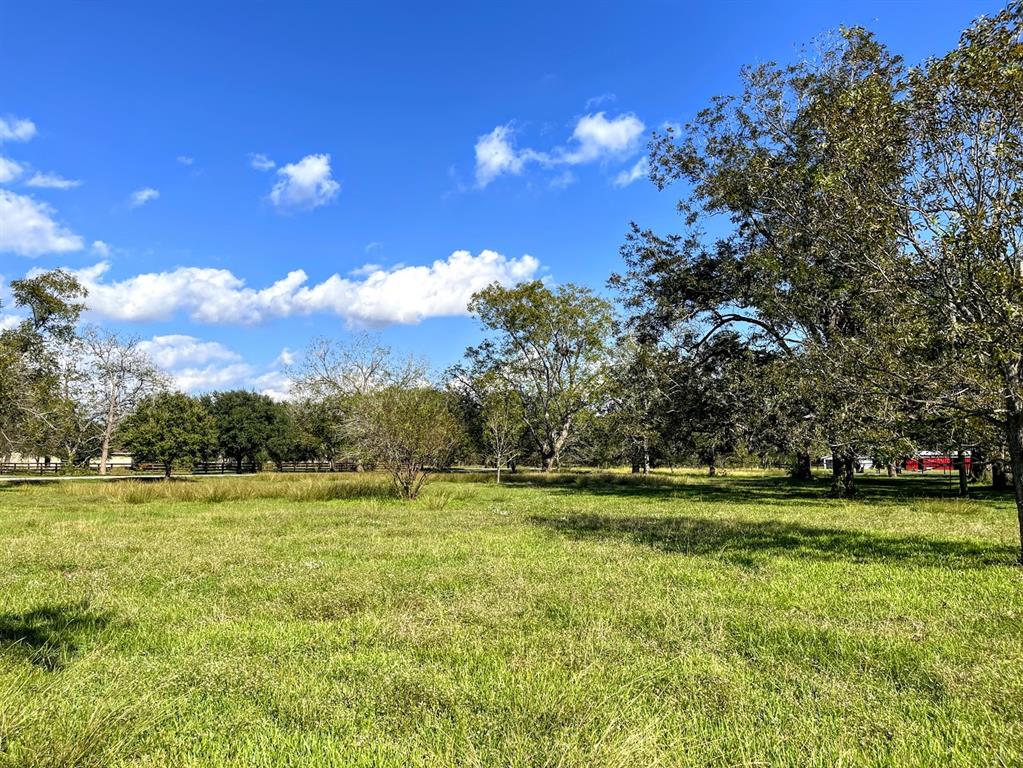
x=847 y=280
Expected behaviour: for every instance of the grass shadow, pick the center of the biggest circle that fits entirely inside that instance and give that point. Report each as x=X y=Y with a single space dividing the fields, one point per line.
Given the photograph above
x=745 y=542
x=776 y=490
x=50 y=636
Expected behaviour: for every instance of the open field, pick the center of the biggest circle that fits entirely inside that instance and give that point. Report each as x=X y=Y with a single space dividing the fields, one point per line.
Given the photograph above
x=571 y=621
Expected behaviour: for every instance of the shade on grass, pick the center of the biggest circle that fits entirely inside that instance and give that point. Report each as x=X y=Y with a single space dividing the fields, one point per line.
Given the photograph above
x=573 y=621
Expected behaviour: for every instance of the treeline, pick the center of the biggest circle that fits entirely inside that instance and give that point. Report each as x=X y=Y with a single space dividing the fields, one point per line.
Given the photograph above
x=847 y=280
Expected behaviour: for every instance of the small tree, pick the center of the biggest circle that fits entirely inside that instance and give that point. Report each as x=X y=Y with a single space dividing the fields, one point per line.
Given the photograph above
x=169 y=427
x=408 y=430
x=120 y=374
x=502 y=426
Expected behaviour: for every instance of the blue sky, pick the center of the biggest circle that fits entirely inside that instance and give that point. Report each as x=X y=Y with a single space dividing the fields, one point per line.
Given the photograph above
x=138 y=141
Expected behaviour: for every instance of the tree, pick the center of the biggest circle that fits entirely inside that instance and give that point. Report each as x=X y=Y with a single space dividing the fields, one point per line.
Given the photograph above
x=408 y=430
x=802 y=163
x=332 y=378
x=246 y=423
x=548 y=348
x=502 y=425
x=169 y=427
x=636 y=399
x=30 y=391
x=120 y=374
x=959 y=289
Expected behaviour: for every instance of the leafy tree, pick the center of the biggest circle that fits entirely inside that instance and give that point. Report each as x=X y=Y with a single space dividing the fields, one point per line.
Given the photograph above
x=246 y=423
x=548 y=347
x=408 y=430
x=169 y=427
x=330 y=382
x=803 y=163
x=961 y=216
x=30 y=386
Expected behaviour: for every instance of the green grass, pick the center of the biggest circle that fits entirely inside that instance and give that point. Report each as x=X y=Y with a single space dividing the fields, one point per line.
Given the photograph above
x=577 y=620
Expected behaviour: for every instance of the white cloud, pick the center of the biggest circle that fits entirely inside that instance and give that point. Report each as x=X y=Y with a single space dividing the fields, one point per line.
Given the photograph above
x=273 y=384
x=28 y=229
x=305 y=184
x=212 y=377
x=52 y=181
x=9 y=322
x=636 y=172
x=16 y=129
x=142 y=196
x=374 y=246
x=594 y=138
x=401 y=294
x=100 y=248
x=597 y=137
x=496 y=155
x=196 y=365
x=175 y=350
x=261 y=162
x=286 y=357
x=185 y=159
x=9 y=170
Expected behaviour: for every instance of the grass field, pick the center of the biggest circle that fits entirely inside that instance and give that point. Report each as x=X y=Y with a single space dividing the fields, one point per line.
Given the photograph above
x=572 y=621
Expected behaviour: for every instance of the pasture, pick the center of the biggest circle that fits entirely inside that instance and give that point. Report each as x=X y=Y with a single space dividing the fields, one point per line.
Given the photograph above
x=573 y=620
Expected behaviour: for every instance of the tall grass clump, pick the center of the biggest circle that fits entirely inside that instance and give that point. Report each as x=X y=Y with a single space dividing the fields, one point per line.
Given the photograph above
x=216 y=490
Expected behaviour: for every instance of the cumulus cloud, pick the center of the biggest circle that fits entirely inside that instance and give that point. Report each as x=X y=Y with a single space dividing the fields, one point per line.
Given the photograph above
x=261 y=162
x=16 y=129
x=305 y=184
x=9 y=170
x=175 y=350
x=496 y=155
x=197 y=365
x=52 y=181
x=636 y=172
x=273 y=384
x=594 y=138
x=185 y=159
x=27 y=227
x=211 y=377
x=142 y=196
x=401 y=294
x=100 y=248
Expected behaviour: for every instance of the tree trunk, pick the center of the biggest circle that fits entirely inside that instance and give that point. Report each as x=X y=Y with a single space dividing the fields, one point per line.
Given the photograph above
x=978 y=464
x=802 y=469
x=1014 y=430
x=646 y=455
x=891 y=469
x=843 y=472
x=849 y=481
x=167 y=465
x=238 y=465
x=999 y=477
x=498 y=462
